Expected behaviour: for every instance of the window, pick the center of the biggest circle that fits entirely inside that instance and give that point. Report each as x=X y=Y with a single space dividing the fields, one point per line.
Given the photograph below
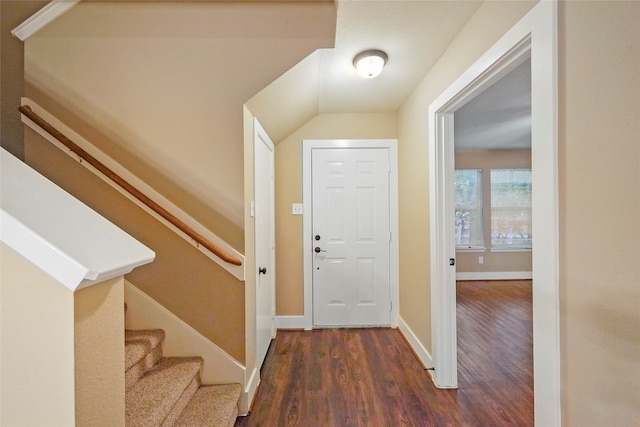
x=469 y=209
x=511 y=209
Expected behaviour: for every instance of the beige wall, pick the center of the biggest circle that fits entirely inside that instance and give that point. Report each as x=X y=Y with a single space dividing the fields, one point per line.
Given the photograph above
x=599 y=149
x=488 y=24
x=37 y=351
x=493 y=261
x=181 y=278
x=288 y=182
x=99 y=346
x=12 y=14
x=599 y=164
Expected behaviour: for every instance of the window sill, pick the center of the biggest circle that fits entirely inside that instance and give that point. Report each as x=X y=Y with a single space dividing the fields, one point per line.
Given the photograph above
x=510 y=250
x=471 y=249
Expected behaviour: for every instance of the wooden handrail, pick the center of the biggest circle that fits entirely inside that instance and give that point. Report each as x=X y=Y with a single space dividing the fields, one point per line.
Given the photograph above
x=197 y=237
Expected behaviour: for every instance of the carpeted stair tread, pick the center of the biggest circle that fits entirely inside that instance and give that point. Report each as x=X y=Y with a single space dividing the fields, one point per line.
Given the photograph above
x=161 y=394
x=138 y=343
x=212 y=406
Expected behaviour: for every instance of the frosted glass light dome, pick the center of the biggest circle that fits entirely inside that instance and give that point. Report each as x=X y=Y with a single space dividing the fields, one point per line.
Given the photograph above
x=369 y=63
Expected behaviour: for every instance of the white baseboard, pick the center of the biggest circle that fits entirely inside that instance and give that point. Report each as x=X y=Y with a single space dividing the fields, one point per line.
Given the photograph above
x=290 y=322
x=249 y=393
x=143 y=312
x=416 y=345
x=495 y=275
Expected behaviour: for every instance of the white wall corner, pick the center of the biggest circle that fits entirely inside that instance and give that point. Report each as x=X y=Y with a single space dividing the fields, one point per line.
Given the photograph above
x=42 y=18
x=57 y=242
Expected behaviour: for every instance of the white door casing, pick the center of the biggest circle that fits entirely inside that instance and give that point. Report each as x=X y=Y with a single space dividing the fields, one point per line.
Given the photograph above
x=264 y=215
x=308 y=235
x=351 y=237
x=535 y=35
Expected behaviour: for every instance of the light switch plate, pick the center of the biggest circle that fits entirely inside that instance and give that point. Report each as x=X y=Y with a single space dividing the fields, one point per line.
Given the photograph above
x=296 y=209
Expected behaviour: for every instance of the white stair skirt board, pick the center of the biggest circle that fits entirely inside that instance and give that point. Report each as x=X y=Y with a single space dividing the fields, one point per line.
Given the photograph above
x=495 y=275
x=416 y=345
x=182 y=340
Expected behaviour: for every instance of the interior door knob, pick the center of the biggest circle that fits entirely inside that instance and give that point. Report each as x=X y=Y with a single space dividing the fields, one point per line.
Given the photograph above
x=262 y=270
x=318 y=250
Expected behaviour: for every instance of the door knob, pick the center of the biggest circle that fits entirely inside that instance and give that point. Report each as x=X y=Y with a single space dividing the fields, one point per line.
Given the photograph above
x=262 y=270
x=318 y=250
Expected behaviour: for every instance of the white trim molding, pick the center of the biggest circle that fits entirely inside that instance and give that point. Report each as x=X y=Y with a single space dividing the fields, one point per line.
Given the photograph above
x=42 y=18
x=534 y=36
x=291 y=322
x=494 y=275
x=416 y=345
x=249 y=393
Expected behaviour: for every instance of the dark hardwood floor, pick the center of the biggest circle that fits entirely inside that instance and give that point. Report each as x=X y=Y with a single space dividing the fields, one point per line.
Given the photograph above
x=370 y=377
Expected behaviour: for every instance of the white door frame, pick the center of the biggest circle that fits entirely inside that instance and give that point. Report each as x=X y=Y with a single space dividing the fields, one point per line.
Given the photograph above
x=535 y=35
x=307 y=147
x=262 y=138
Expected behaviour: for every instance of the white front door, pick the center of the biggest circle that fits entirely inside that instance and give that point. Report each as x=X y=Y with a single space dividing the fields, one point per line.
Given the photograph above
x=351 y=237
x=264 y=215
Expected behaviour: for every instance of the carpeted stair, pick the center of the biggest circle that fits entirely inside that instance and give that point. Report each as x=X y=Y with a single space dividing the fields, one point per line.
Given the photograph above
x=166 y=391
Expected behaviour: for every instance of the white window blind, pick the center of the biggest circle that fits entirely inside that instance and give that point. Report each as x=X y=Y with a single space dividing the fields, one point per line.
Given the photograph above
x=511 y=209
x=469 y=209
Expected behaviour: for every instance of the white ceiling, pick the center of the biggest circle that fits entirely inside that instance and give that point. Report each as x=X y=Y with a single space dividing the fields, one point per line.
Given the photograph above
x=500 y=117
x=414 y=34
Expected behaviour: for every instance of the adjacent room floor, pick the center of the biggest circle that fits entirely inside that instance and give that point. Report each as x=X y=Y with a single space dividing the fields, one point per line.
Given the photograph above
x=370 y=377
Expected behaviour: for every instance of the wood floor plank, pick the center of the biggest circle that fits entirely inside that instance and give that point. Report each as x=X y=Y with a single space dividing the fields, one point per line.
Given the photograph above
x=369 y=377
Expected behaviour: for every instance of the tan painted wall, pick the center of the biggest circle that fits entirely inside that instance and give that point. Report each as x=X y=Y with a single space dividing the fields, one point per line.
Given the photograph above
x=160 y=88
x=37 y=351
x=599 y=164
x=99 y=346
x=181 y=278
x=493 y=261
x=599 y=149
x=12 y=14
x=488 y=24
x=288 y=183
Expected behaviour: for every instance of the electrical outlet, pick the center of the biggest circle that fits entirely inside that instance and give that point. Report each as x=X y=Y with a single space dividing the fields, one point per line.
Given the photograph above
x=480 y=260
x=296 y=209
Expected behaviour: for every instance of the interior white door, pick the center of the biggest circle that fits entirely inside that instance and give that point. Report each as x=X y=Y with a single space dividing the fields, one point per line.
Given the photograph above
x=351 y=237
x=264 y=215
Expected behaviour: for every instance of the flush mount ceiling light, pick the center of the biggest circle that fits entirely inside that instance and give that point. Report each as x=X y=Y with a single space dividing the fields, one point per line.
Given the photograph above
x=370 y=63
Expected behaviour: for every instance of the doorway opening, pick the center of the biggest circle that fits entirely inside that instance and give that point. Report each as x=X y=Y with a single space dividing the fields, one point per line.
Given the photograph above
x=493 y=238
x=535 y=37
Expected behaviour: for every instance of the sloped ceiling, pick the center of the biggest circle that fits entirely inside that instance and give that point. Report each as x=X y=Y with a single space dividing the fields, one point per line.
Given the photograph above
x=413 y=33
